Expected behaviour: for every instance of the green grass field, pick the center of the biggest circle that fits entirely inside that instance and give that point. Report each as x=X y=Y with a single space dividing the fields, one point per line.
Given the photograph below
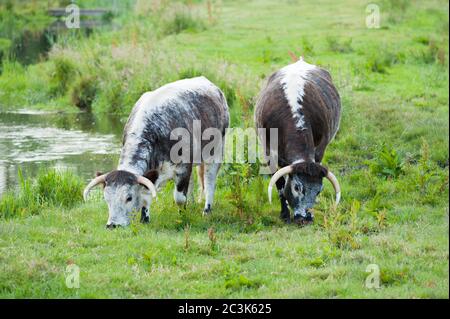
x=390 y=155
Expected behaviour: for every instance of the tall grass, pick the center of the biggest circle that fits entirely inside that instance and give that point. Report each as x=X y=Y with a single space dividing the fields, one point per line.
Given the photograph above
x=51 y=188
x=183 y=20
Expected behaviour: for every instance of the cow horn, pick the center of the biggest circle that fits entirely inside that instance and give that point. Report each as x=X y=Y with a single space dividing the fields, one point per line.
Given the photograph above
x=337 y=188
x=281 y=172
x=147 y=183
x=93 y=183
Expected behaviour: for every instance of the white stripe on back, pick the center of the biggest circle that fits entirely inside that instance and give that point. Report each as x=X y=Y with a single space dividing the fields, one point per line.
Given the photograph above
x=293 y=79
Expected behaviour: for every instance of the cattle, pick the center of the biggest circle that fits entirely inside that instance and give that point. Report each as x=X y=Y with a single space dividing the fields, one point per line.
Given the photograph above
x=146 y=161
x=301 y=102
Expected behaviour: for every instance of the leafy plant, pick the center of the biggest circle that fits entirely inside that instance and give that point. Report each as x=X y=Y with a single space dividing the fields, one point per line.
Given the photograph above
x=387 y=163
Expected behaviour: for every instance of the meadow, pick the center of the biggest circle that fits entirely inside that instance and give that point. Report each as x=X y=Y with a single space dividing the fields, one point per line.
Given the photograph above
x=390 y=155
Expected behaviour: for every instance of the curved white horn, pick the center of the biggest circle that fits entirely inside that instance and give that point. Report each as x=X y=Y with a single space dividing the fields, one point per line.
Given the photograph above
x=337 y=188
x=93 y=183
x=281 y=172
x=147 y=183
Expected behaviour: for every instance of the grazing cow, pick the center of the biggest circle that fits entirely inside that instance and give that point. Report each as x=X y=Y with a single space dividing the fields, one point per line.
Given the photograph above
x=300 y=101
x=146 y=161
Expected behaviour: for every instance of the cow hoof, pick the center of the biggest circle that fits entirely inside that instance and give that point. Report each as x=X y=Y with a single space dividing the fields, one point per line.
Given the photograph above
x=207 y=210
x=145 y=218
x=304 y=220
x=285 y=217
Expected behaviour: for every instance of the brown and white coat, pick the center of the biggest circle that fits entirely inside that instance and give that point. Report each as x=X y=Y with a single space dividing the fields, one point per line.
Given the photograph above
x=301 y=102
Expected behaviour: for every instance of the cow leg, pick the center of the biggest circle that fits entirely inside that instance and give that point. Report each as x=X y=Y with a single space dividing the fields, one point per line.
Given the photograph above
x=285 y=214
x=211 y=171
x=201 y=182
x=190 y=191
x=182 y=177
x=145 y=215
x=145 y=210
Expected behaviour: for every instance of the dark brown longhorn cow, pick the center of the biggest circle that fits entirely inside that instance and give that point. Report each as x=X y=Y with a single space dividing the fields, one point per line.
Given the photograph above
x=301 y=102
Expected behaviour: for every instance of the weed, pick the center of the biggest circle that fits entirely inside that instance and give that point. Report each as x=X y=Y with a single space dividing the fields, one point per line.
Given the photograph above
x=387 y=163
x=394 y=276
x=380 y=62
x=334 y=45
x=212 y=240
x=187 y=232
x=239 y=174
x=240 y=281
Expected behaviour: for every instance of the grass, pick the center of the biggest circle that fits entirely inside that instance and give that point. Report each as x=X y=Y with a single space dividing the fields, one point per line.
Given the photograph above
x=390 y=155
x=50 y=188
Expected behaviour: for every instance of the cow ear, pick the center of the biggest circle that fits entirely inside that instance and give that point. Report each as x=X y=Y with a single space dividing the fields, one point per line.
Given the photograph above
x=152 y=175
x=97 y=174
x=323 y=171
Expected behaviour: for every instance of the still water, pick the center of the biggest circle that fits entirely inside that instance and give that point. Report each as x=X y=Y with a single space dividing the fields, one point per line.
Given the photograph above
x=31 y=140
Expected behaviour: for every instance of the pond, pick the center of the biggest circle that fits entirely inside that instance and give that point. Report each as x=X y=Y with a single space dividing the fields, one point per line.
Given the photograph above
x=32 y=140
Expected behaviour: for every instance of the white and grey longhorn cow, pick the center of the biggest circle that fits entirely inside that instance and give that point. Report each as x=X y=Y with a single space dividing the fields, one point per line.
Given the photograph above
x=145 y=161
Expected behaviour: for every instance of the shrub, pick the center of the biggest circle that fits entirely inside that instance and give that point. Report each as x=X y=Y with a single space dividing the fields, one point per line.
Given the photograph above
x=387 y=163
x=63 y=73
x=84 y=92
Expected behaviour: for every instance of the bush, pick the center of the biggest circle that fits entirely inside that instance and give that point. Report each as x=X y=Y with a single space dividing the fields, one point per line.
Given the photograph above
x=84 y=92
x=51 y=188
x=63 y=73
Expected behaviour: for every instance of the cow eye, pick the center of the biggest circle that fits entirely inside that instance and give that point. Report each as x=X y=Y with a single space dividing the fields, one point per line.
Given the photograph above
x=129 y=199
x=297 y=188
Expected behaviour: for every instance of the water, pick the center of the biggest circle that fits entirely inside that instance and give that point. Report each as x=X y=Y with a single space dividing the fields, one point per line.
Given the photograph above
x=32 y=140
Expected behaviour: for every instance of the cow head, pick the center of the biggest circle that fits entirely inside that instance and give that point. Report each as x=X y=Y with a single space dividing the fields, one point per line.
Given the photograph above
x=125 y=193
x=303 y=182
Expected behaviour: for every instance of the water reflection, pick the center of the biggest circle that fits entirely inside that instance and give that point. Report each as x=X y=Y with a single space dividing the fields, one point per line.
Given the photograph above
x=33 y=140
